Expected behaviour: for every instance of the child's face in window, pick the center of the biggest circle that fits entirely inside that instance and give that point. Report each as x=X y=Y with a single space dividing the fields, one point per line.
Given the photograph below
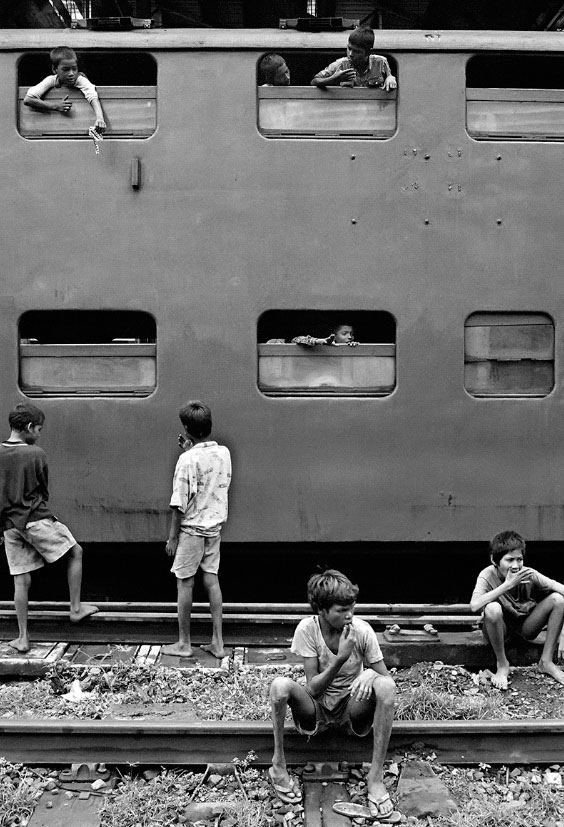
x=282 y=76
x=344 y=334
x=357 y=56
x=67 y=72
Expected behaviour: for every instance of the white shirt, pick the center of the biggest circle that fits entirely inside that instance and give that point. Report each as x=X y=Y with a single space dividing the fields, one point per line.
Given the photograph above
x=51 y=82
x=199 y=488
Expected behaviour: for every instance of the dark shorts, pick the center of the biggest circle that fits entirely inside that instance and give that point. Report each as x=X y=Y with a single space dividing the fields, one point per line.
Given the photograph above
x=337 y=718
x=513 y=626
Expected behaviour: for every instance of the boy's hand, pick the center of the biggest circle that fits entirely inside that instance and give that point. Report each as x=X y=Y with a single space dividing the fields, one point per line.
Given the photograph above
x=390 y=83
x=353 y=343
x=100 y=125
x=330 y=340
x=171 y=546
x=346 y=643
x=184 y=443
x=362 y=687
x=521 y=576
x=63 y=105
x=344 y=76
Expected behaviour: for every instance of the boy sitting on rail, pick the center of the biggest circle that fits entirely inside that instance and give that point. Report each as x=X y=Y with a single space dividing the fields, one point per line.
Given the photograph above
x=65 y=73
x=518 y=600
x=32 y=535
x=359 y=67
x=199 y=510
x=347 y=685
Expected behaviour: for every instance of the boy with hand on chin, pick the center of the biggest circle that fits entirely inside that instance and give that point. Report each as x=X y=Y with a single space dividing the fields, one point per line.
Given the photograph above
x=347 y=686
x=359 y=67
x=32 y=535
x=199 y=510
x=518 y=600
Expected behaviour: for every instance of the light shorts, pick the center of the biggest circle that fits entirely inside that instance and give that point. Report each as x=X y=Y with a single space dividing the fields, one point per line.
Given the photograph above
x=42 y=541
x=338 y=717
x=195 y=552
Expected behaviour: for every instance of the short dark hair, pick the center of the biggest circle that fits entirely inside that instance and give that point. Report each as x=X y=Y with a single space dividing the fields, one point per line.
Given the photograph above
x=363 y=37
x=196 y=418
x=25 y=414
x=503 y=542
x=329 y=588
x=61 y=53
x=268 y=66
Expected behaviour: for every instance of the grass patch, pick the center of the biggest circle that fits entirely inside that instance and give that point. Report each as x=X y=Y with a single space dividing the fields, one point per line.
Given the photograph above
x=18 y=791
x=424 y=703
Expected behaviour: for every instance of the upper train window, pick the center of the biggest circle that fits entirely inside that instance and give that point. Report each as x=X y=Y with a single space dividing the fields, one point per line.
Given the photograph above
x=87 y=353
x=126 y=83
x=515 y=97
x=326 y=353
x=509 y=354
x=299 y=110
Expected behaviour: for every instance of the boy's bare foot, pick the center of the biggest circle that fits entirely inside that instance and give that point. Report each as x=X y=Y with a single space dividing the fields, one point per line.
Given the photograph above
x=551 y=669
x=21 y=644
x=85 y=610
x=213 y=650
x=499 y=680
x=179 y=650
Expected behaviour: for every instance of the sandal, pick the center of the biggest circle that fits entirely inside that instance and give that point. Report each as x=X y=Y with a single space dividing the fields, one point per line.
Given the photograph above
x=285 y=794
x=350 y=809
x=393 y=817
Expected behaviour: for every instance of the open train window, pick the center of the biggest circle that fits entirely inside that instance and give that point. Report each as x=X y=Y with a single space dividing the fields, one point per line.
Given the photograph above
x=87 y=353
x=515 y=97
x=302 y=111
x=290 y=369
x=127 y=87
x=509 y=354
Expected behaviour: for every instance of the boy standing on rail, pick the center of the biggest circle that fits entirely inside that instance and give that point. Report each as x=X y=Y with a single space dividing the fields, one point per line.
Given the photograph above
x=347 y=685
x=65 y=73
x=32 y=534
x=359 y=67
x=518 y=600
x=199 y=510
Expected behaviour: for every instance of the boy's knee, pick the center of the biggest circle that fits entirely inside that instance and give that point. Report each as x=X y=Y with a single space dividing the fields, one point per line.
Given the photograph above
x=493 y=612
x=22 y=582
x=280 y=689
x=385 y=689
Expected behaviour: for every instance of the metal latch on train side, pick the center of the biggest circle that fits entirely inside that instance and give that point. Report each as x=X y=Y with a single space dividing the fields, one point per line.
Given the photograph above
x=395 y=634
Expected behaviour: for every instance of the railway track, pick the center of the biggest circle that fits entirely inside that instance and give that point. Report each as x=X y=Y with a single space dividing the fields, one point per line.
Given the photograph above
x=54 y=742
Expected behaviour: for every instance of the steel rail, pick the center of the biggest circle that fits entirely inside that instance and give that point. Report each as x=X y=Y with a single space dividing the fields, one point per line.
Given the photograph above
x=198 y=742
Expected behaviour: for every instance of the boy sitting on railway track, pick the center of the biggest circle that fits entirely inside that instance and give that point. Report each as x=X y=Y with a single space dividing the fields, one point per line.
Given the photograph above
x=359 y=67
x=32 y=534
x=199 y=510
x=518 y=600
x=347 y=685
x=66 y=74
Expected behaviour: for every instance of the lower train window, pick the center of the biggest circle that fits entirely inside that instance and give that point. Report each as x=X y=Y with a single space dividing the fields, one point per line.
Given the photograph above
x=87 y=353
x=293 y=361
x=300 y=110
x=509 y=354
x=126 y=83
x=515 y=97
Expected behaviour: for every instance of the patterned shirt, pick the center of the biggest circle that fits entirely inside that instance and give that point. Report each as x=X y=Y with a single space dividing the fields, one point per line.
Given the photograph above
x=377 y=70
x=308 y=642
x=52 y=82
x=199 y=488
x=519 y=601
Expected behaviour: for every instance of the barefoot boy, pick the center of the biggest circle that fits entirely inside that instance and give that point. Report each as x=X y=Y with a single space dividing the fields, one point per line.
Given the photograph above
x=518 y=600
x=32 y=535
x=347 y=685
x=199 y=510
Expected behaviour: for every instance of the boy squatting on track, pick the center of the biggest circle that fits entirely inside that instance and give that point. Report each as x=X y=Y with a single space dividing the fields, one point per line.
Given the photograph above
x=359 y=67
x=199 y=510
x=518 y=600
x=339 y=692
x=65 y=73
x=32 y=534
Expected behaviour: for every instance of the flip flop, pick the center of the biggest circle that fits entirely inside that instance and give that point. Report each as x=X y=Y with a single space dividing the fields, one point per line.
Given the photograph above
x=287 y=795
x=350 y=809
x=393 y=817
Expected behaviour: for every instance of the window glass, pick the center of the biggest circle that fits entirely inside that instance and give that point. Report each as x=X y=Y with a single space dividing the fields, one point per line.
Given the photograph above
x=126 y=83
x=293 y=359
x=519 y=97
x=302 y=110
x=87 y=352
x=509 y=354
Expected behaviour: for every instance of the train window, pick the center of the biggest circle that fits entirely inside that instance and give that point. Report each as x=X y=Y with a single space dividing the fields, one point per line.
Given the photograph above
x=286 y=368
x=301 y=110
x=509 y=354
x=127 y=88
x=515 y=97
x=87 y=353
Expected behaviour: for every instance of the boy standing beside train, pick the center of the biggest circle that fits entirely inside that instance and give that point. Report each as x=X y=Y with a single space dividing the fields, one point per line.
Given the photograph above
x=359 y=67
x=518 y=600
x=199 y=510
x=347 y=686
x=32 y=535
